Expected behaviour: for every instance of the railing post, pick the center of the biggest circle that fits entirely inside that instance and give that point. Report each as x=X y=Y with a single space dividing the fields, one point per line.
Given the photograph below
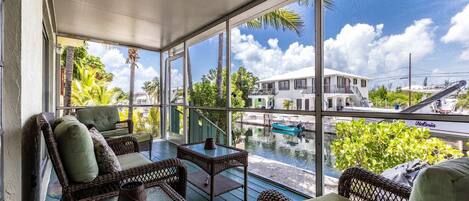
x=184 y=94
x=319 y=67
x=162 y=97
x=228 y=83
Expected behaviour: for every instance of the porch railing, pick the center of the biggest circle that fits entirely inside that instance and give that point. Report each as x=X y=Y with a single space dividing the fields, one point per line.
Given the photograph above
x=263 y=92
x=201 y=127
x=330 y=89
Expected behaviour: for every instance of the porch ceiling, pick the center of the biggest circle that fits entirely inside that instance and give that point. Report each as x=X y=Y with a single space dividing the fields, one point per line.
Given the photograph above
x=150 y=24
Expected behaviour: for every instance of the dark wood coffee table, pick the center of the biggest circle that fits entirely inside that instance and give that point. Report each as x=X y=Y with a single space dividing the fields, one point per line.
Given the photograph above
x=212 y=163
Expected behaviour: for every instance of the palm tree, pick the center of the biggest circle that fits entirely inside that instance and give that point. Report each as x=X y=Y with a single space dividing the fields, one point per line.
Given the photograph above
x=68 y=78
x=152 y=88
x=278 y=19
x=132 y=60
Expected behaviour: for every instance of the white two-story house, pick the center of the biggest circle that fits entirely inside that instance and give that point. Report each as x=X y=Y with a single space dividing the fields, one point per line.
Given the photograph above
x=295 y=90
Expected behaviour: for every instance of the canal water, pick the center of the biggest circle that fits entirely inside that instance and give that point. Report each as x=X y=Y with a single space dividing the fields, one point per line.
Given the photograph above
x=286 y=148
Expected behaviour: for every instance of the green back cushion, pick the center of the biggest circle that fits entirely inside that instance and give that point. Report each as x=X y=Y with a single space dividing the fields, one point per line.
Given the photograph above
x=64 y=118
x=76 y=151
x=447 y=181
x=104 y=118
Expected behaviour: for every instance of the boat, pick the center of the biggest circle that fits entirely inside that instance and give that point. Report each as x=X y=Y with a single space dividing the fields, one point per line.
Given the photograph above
x=295 y=129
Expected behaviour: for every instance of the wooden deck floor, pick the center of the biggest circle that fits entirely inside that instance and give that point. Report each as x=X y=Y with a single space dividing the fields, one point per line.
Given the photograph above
x=164 y=150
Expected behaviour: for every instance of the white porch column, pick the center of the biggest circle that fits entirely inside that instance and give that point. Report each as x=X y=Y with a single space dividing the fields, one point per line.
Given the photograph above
x=22 y=93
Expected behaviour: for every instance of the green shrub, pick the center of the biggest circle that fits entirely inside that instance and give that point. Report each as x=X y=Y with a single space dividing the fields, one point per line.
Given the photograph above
x=379 y=146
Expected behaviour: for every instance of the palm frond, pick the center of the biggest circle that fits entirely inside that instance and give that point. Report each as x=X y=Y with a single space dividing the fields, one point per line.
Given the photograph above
x=329 y=4
x=279 y=19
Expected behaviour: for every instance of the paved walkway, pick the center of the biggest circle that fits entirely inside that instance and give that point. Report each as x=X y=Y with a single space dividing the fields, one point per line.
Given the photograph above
x=299 y=179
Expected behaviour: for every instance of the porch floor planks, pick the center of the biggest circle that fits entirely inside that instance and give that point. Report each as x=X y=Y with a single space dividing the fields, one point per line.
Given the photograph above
x=164 y=150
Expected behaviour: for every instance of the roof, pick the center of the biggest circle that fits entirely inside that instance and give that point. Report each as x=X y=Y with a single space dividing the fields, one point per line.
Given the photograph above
x=309 y=72
x=151 y=24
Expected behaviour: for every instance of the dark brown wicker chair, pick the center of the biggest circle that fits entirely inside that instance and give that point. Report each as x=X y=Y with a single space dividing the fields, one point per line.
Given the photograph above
x=171 y=171
x=358 y=184
x=272 y=195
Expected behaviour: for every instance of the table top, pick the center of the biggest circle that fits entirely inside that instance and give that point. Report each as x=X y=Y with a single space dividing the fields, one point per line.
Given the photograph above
x=219 y=151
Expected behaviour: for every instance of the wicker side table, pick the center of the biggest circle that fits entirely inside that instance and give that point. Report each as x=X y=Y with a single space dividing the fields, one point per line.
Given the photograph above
x=212 y=163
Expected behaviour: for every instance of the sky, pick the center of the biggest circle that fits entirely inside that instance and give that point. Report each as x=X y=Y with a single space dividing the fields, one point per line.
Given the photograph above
x=367 y=37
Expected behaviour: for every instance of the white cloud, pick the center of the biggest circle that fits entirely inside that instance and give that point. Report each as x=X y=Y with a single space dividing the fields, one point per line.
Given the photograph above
x=271 y=60
x=110 y=55
x=363 y=49
x=359 y=48
x=176 y=78
x=114 y=62
x=459 y=31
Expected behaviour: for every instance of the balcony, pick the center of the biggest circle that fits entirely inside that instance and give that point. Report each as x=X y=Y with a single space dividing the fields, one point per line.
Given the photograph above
x=337 y=89
x=263 y=92
x=330 y=89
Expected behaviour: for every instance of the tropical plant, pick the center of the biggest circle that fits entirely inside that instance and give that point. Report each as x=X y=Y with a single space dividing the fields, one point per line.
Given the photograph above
x=382 y=97
x=152 y=88
x=245 y=81
x=88 y=91
x=287 y=104
x=145 y=120
x=205 y=94
x=463 y=101
x=379 y=146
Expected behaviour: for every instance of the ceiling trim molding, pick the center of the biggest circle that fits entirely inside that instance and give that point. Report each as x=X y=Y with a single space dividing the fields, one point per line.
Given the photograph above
x=106 y=41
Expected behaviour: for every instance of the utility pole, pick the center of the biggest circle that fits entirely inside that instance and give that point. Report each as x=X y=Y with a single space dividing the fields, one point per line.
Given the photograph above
x=410 y=79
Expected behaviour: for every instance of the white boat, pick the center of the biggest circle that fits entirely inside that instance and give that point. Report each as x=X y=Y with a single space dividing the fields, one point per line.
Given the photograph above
x=441 y=101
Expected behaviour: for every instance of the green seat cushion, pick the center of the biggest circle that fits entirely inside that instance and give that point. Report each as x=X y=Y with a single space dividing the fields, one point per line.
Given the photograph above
x=330 y=197
x=132 y=160
x=447 y=181
x=103 y=118
x=76 y=151
x=141 y=137
x=115 y=132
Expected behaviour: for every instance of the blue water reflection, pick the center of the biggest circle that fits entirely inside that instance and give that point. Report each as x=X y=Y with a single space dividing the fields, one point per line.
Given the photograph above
x=286 y=147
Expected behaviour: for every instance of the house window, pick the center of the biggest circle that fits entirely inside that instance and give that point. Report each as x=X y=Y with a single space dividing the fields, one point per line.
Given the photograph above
x=329 y=103
x=355 y=81
x=327 y=85
x=284 y=85
x=313 y=84
x=340 y=82
x=298 y=104
x=267 y=86
x=363 y=83
x=306 y=104
x=300 y=84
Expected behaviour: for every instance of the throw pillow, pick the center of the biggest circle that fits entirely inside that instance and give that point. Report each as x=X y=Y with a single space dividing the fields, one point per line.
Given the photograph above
x=76 y=151
x=106 y=158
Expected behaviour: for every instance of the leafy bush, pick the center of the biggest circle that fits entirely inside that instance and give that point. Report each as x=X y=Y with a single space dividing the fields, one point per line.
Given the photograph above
x=287 y=104
x=379 y=146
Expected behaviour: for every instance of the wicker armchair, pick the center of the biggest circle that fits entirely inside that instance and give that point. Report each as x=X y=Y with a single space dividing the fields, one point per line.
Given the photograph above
x=357 y=184
x=171 y=171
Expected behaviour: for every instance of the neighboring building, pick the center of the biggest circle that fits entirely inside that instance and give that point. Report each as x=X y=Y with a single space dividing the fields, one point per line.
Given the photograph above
x=341 y=90
x=142 y=98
